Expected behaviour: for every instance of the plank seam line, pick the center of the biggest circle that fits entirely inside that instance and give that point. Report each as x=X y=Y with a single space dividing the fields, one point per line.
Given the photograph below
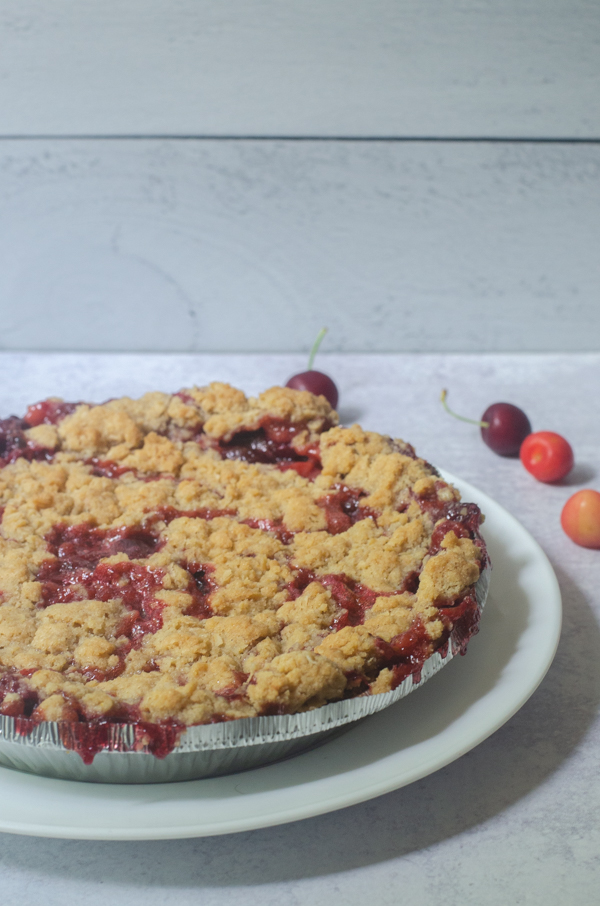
x=562 y=140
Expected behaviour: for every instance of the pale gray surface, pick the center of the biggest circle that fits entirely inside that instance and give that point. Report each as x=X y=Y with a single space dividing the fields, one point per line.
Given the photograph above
x=515 y=820
x=250 y=246
x=301 y=67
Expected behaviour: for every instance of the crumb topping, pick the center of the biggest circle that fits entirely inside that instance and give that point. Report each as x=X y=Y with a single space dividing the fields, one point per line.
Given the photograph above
x=203 y=556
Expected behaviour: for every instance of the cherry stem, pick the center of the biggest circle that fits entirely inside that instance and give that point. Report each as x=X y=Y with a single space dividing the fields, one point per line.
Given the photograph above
x=315 y=348
x=470 y=421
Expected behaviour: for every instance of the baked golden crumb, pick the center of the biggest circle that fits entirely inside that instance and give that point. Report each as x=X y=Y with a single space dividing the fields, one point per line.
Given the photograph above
x=202 y=556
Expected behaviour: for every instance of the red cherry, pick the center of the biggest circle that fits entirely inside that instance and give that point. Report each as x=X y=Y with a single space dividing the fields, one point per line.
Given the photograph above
x=507 y=428
x=580 y=518
x=548 y=456
x=503 y=426
x=315 y=382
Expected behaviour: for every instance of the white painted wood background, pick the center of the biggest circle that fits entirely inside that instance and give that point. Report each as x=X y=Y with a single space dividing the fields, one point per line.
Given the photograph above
x=498 y=68
x=144 y=234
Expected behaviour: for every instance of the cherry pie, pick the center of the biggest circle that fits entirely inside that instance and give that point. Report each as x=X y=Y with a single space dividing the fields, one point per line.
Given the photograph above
x=200 y=557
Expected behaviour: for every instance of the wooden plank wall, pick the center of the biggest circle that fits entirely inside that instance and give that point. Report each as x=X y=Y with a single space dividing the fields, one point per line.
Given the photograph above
x=193 y=175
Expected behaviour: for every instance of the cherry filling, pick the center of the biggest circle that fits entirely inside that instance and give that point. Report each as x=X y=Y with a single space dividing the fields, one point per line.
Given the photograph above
x=278 y=529
x=410 y=583
x=200 y=587
x=12 y=684
x=431 y=503
x=168 y=513
x=464 y=519
x=463 y=616
x=406 y=653
x=83 y=545
x=272 y=443
x=77 y=575
x=342 y=509
x=87 y=738
x=231 y=693
x=107 y=468
x=134 y=584
x=353 y=598
x=48 y=412
x=14 y=443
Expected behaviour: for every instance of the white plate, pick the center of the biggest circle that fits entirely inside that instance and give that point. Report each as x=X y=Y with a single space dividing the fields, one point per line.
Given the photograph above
x=457 y=709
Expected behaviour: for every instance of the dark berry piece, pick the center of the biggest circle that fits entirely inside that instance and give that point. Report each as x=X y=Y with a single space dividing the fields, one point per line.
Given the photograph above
x=315 y=381
x=504 y=427
x=507 y=428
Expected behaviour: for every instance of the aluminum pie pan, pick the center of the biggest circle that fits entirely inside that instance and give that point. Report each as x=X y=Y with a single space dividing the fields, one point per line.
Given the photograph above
x=211 y=749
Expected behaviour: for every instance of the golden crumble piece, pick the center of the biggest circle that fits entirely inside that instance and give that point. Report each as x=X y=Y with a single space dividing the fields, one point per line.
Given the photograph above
x=149 y=412
x=261 y=655
x=97 y=703
x=308 y=618
x=165 y=699
x=16 y=625
x=295 y=405
x=352 y=648
x=43 y=436
x=236 y=634
x=227 y=410
x=95 y=652
x=296 y=680
x=454 y=569
x=55 y=707
x=390 y=616
x=93 y=431
x=383 y=683
x=314 y=607
x=158 y=454
x=365 y=553
x=184 y=414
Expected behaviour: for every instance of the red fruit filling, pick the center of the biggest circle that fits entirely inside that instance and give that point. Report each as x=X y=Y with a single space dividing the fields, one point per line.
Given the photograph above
x=77 y=575
x=278 y=529
x=464 y=519
x=134 y=584
x=107 y=468
x=169 y=513
x=11 y=683
x=89 y=738
x=83 y=545
x=431 y=503
x=354 y=599
x=342 y=509
x=200 y=587
x=406 y=653
x=231 y=693
x=14 y=444
x=48 y=412
x=272 y=443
